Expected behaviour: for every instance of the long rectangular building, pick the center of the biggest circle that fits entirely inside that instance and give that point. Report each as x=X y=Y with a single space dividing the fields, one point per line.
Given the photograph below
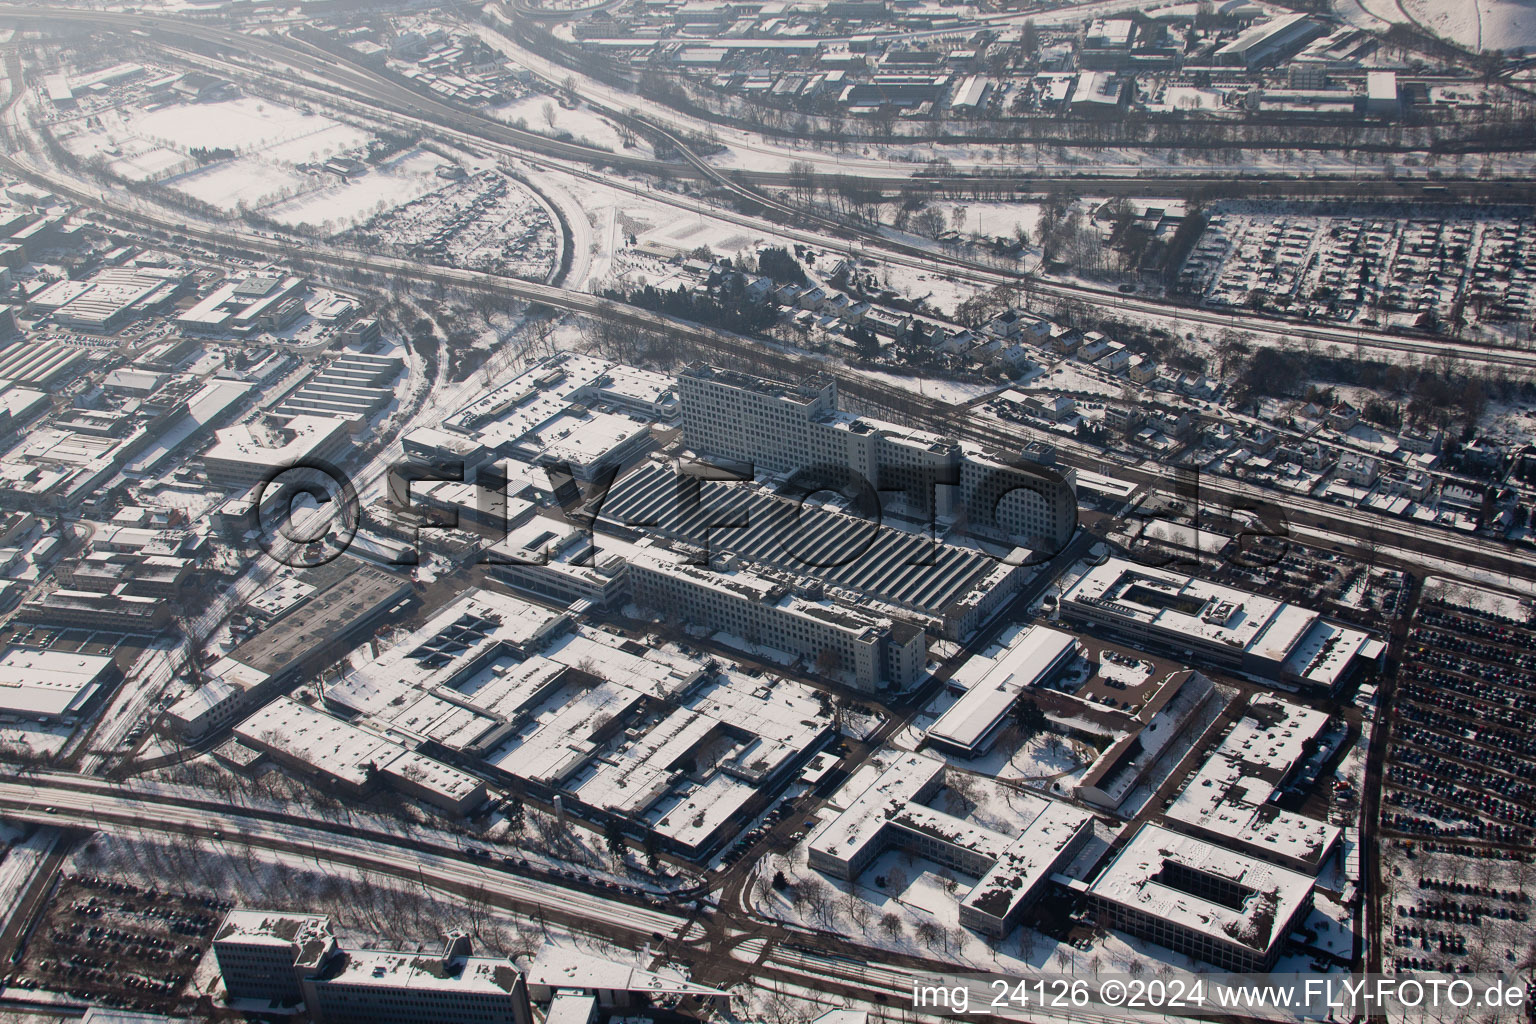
x=839 y=640
x=1232 y=628
x=969 y=725
x=947 y=589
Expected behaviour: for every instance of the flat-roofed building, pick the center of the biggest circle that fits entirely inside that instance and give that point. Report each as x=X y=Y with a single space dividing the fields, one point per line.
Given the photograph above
x=243 y=457
x=797 y=429
x=1116 y=773
x=262 y=954
x=113 y=612
x=255 y=302
x=355 y=759
x=995 y=684
x=37 y=684
x=1233 y=629
x=1230 y=799
x=1213 y=904
x=890 y=811
x=229 y=689
x=286 y=959
x=763 y=607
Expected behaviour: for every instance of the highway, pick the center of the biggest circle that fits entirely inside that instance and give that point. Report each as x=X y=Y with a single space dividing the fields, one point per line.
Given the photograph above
x=428 y=114
x=934 y=414
x=95 y=804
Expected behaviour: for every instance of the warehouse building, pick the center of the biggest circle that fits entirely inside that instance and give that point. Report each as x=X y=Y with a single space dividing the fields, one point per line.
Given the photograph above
x=1270 y=41
x=353 y=759
x=38 y=685
x=946 y=589
x=993 y=685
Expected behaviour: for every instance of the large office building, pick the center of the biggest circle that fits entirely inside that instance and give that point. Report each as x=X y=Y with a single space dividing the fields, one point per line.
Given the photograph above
x=284 y=959
x=798 y=430
x=1231 y=628
x=891 y=811
x=1230 y=799
x=256 y=302
x=1210 y=903
x=244 y=456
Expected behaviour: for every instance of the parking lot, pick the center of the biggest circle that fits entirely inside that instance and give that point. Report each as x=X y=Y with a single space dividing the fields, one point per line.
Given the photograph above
x=114 y=943
x=1460 y=788
x=487 y=222
x=1366 y=264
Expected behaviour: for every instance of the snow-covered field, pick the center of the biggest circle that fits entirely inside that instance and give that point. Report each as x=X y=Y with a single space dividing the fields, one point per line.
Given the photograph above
x=338 y=205
x=247 y=125
x=251 y=182
x=274 y=167
x=1508 y=25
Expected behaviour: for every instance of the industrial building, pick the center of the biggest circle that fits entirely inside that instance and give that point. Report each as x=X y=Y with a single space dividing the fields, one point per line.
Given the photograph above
x=944 y=588
x=352 y=387
x=570 y=412
x=256 y=302
x=110 y=300
x=109 y=612
x=797 y=429
x=38 y=684
x=1209 y=903
x=649 y=740
x=1269 y=41
x=353 y=759
x=763 y=606
x=1233 y=629
x=245 y=457
x=229 y=688
x=891 y=811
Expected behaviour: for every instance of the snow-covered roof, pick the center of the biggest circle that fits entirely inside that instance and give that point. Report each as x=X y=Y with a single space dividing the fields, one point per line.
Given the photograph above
x=1154 y=872
x=1034 y=655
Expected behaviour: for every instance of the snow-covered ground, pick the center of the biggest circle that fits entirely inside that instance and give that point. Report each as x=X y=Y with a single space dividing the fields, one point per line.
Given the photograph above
x=1508 y=25
x=582 y=123
x=339 y=204
x=18 y=867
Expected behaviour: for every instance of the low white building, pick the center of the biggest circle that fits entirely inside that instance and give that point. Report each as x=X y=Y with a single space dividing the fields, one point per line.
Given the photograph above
x=993 y=686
